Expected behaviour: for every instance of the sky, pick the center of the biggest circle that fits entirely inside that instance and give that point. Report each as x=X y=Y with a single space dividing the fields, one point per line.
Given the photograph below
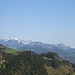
x=48 y=21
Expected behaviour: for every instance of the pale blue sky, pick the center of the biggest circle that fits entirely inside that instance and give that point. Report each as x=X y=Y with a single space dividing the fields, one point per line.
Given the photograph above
x=49 y=21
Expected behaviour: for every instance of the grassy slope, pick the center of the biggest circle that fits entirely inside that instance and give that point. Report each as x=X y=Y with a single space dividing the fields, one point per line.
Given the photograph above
x=10 y=51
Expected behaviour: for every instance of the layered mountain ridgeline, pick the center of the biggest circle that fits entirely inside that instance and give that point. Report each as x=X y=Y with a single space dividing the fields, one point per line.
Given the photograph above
x=65 y=52
x=30 y=63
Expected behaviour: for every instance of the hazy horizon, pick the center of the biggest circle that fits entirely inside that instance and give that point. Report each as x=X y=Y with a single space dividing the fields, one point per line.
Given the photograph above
x=48 y=21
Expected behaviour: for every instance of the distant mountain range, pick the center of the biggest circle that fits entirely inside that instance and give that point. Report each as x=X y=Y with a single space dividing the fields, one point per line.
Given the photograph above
x=65 y=52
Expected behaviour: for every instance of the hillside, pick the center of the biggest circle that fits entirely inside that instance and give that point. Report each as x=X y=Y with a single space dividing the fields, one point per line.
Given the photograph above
x=26 y=63
x=30 y=63
x=56 y=66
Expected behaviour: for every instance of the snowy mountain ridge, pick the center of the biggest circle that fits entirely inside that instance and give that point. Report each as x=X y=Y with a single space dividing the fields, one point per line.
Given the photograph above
x=6 y=41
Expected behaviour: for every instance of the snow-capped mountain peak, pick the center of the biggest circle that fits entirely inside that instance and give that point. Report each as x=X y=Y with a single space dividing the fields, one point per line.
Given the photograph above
x=15 y=38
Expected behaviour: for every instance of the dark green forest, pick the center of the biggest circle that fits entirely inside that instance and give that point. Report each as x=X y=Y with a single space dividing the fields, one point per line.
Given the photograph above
x=30 y=63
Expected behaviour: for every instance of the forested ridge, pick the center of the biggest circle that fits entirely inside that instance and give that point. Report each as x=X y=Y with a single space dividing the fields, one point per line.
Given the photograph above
x=30 y=63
